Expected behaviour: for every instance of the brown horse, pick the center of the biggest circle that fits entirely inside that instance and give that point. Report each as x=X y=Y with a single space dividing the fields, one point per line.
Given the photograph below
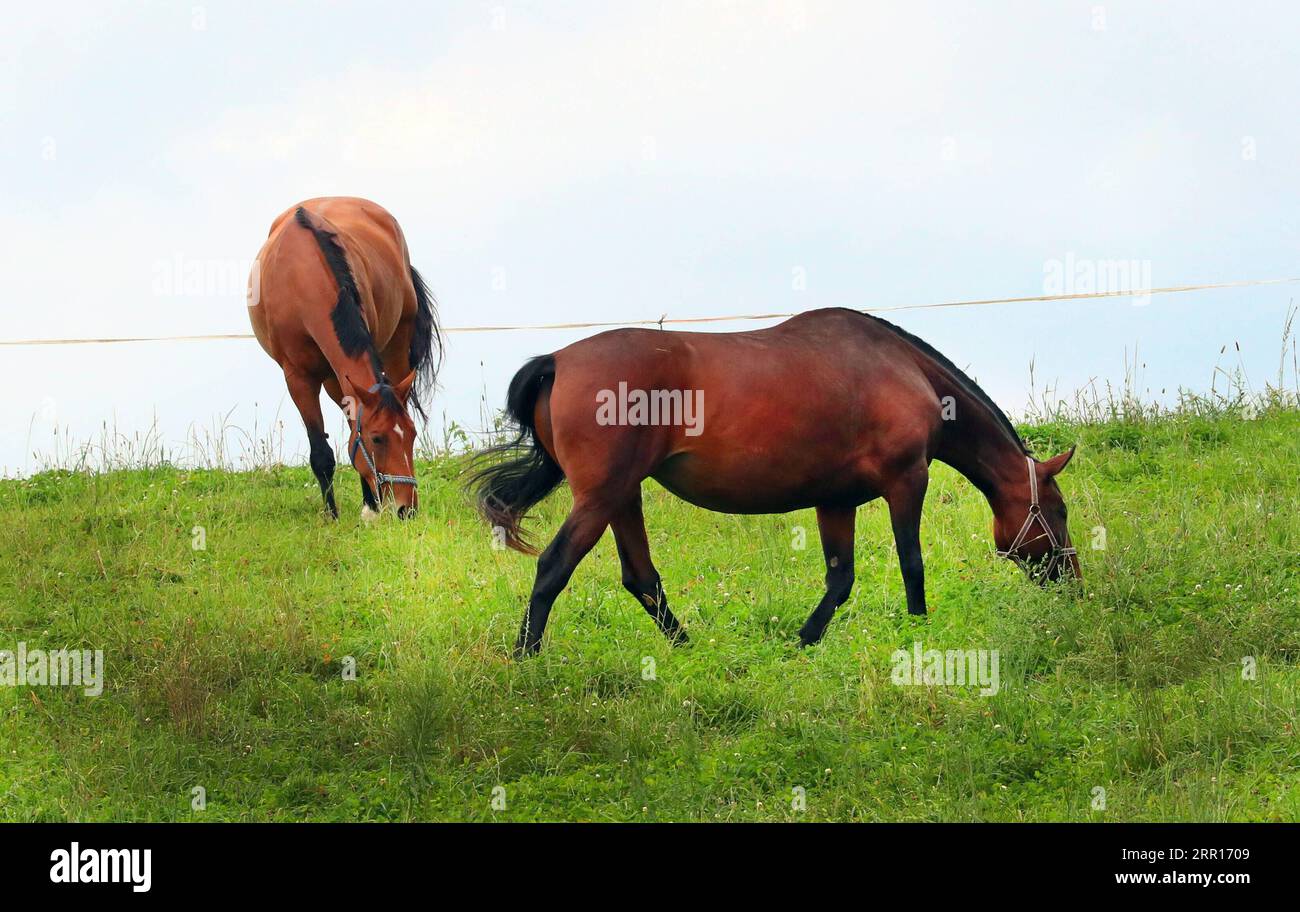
x=334 y=299
x=830 y=409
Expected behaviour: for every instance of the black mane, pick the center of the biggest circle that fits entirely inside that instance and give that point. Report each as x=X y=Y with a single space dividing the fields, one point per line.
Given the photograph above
x=957 y=374
x=349 y=325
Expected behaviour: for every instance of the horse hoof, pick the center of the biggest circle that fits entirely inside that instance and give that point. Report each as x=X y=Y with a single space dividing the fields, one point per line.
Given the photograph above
x=367 y=514
x=525 y=650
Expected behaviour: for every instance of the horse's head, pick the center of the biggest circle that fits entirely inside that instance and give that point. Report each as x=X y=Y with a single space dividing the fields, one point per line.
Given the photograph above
x=1029 y=521
x=382 y=444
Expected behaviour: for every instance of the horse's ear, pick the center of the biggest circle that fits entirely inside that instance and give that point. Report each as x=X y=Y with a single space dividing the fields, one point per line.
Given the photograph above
x=403 y=389
x=1054 y=465
x=360 y=393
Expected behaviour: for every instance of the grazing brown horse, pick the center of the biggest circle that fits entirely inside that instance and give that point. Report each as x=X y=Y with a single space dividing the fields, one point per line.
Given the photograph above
x=830 y=409
x=334 y=299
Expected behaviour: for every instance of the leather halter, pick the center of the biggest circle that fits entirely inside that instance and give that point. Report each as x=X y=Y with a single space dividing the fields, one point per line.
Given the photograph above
x=380 y=478
x=1056 y=552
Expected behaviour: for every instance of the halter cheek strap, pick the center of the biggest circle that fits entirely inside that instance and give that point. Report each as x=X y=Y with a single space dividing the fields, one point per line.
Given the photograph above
x=1057 y=552
x=360 y=444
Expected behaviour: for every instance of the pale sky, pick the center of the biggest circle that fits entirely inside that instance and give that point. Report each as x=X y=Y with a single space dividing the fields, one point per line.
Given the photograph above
x=570 y=161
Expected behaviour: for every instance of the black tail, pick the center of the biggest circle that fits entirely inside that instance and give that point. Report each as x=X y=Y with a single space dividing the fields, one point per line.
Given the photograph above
x=426 y=344
x=507 y=489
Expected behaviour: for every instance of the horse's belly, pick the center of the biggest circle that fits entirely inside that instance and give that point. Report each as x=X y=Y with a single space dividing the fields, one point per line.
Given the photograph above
x=759 y=487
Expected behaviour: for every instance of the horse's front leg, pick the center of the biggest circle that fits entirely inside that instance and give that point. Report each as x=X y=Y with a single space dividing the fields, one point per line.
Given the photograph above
x=905 y=498
x=305 y=392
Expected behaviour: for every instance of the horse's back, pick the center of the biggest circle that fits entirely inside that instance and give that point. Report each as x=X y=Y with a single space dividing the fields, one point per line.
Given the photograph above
x=821 y=348
x=367 y=230
x=291 y=285
x=792 y=415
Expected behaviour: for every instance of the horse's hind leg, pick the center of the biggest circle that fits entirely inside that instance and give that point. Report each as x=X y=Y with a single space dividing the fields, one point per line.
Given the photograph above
x=581 y=530
x=836 y=527
x=639 y=574
x=305 y=393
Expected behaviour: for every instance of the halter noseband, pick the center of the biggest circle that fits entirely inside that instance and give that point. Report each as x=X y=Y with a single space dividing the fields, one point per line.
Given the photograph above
x=380 y=478
x=1036 y=512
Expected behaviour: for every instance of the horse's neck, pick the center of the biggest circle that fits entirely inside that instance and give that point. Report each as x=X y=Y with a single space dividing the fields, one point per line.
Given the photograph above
x=359 y=370
x=975 y=443
x=360 y=373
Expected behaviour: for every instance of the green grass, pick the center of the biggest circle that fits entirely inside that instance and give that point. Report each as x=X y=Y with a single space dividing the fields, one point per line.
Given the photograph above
x=223 y=665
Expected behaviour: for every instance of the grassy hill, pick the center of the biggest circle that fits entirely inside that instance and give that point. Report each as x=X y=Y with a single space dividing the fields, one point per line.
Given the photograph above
x=224 y=665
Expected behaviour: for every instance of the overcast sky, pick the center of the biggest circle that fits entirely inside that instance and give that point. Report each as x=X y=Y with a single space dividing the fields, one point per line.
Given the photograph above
x=568 y=161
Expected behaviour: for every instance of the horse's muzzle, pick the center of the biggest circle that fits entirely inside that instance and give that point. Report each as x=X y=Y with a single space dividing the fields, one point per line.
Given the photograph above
x=1055 y=565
